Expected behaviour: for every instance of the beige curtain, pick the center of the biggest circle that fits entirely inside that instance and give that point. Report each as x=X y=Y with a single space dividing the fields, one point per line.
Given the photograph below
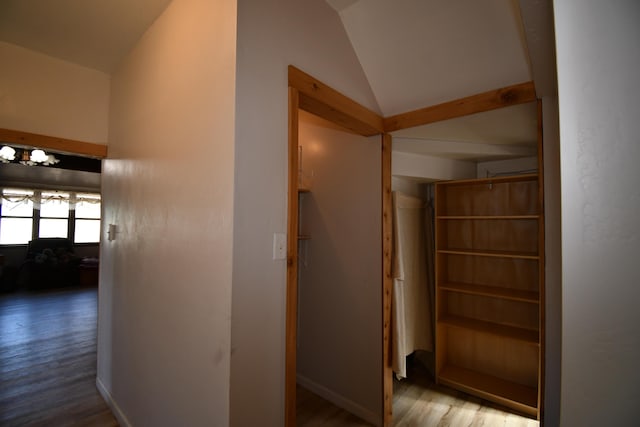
x=412 y=325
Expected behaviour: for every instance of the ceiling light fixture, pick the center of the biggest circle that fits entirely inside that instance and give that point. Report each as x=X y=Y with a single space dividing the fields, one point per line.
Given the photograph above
x=7 y=154
x=39 y=156
x=36 y=157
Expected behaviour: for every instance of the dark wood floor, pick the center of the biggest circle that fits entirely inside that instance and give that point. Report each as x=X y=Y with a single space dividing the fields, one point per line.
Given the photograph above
x=48 y=360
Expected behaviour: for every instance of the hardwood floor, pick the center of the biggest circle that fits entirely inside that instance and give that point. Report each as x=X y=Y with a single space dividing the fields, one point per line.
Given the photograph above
x=417 y=402
x=48 y=371
x=48 y=360
x=312 y=410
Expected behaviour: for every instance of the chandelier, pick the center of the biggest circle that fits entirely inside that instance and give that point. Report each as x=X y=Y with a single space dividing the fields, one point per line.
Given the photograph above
x=24 y=156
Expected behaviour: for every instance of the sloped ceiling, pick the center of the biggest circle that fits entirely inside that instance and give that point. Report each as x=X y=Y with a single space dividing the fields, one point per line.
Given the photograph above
x=419 y=53
x=93 y=33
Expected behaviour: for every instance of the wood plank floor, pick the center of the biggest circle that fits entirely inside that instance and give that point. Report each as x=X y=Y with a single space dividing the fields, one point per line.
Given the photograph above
x=48 y=360
x=48 y=371
x=417 y=402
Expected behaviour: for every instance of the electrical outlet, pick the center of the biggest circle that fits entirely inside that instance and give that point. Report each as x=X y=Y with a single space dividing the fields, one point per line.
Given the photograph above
x=279 y=246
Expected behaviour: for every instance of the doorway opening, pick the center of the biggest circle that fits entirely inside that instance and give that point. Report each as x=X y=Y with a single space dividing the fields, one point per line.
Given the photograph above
x=311 y=95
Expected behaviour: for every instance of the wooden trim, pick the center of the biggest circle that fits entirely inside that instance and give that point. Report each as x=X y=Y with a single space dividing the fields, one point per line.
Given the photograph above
x=540 y=160
x=62 y=145
x=321 y=100
x=292 y=265
x=542 y=268
x=498 y=98
x=387 y=281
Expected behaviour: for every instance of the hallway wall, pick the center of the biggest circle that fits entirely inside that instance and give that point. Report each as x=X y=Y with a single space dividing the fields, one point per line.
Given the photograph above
x=165 y=281
x=598 y=59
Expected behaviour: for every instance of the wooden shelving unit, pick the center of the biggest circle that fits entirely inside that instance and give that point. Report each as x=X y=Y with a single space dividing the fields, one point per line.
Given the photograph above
x=493 y=291
x=489 y=278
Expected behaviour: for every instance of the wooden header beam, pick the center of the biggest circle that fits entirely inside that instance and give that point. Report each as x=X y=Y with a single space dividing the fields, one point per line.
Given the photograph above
x=66 y=146
x=319 y=99
x=499 y=98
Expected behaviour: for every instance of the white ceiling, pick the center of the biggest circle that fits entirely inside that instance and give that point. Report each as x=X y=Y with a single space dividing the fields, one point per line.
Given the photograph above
x=493 y=135
x=93 y=33
x=415 y=53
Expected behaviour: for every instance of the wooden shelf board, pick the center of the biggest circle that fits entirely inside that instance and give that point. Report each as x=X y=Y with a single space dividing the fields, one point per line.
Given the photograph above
x=528 y=336
x=492 y=291
x=498 y=254
x=517 y=396
x=495 y=180
x=304 y=190
x=490 y=217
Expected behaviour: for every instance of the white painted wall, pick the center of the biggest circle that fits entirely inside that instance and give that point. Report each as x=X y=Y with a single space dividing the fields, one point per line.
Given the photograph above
x=46 y=95
x=430 y=168
x=409 y=186
x=271 y=35
x=165 y=281
x=340 y=281
x=598 y=62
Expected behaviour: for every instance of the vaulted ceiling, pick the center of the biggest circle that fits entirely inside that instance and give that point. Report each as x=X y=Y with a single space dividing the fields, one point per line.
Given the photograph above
x=419 y=53
x=414 y=53
x=96 y=33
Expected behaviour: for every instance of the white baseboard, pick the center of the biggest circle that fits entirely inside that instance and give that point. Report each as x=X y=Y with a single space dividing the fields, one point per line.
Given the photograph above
x=117 y=412
x=340 y=401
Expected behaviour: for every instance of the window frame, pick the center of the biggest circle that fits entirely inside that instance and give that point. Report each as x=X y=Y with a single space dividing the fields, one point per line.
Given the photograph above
x=73 y=213
x=36 y=216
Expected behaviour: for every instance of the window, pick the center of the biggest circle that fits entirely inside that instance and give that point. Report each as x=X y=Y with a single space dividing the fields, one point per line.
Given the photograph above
x=16 y=223
x=87 y=218
x=54 y=215
x=26 y=214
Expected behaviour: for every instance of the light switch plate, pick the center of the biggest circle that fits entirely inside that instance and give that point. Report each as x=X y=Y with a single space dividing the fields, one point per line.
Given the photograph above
x=279 y=246
x=111 y=232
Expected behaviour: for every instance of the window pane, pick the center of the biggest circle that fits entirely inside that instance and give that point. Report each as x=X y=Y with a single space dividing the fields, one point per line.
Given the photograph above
x=53 y=228
x=88 y=206
x=17 y=203
x=54 y=205
x=87 y=231
x=14 y=231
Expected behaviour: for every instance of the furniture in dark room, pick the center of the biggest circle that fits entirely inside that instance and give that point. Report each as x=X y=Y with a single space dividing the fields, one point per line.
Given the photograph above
x=51 y=263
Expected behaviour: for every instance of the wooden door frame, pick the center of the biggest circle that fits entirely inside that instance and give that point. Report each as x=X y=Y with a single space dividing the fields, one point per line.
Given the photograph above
x=307 y=93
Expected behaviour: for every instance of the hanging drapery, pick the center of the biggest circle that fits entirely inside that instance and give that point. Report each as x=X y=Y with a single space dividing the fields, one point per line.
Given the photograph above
x=412 y=324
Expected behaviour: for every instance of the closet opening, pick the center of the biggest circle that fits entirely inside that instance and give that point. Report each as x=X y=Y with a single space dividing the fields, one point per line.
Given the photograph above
x=468 y=200
x=484 y=334
x=334 y=263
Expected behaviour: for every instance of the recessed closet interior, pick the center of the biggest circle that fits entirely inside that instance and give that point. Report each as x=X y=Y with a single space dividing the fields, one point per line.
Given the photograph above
x=339 y=265
x=467 y=201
